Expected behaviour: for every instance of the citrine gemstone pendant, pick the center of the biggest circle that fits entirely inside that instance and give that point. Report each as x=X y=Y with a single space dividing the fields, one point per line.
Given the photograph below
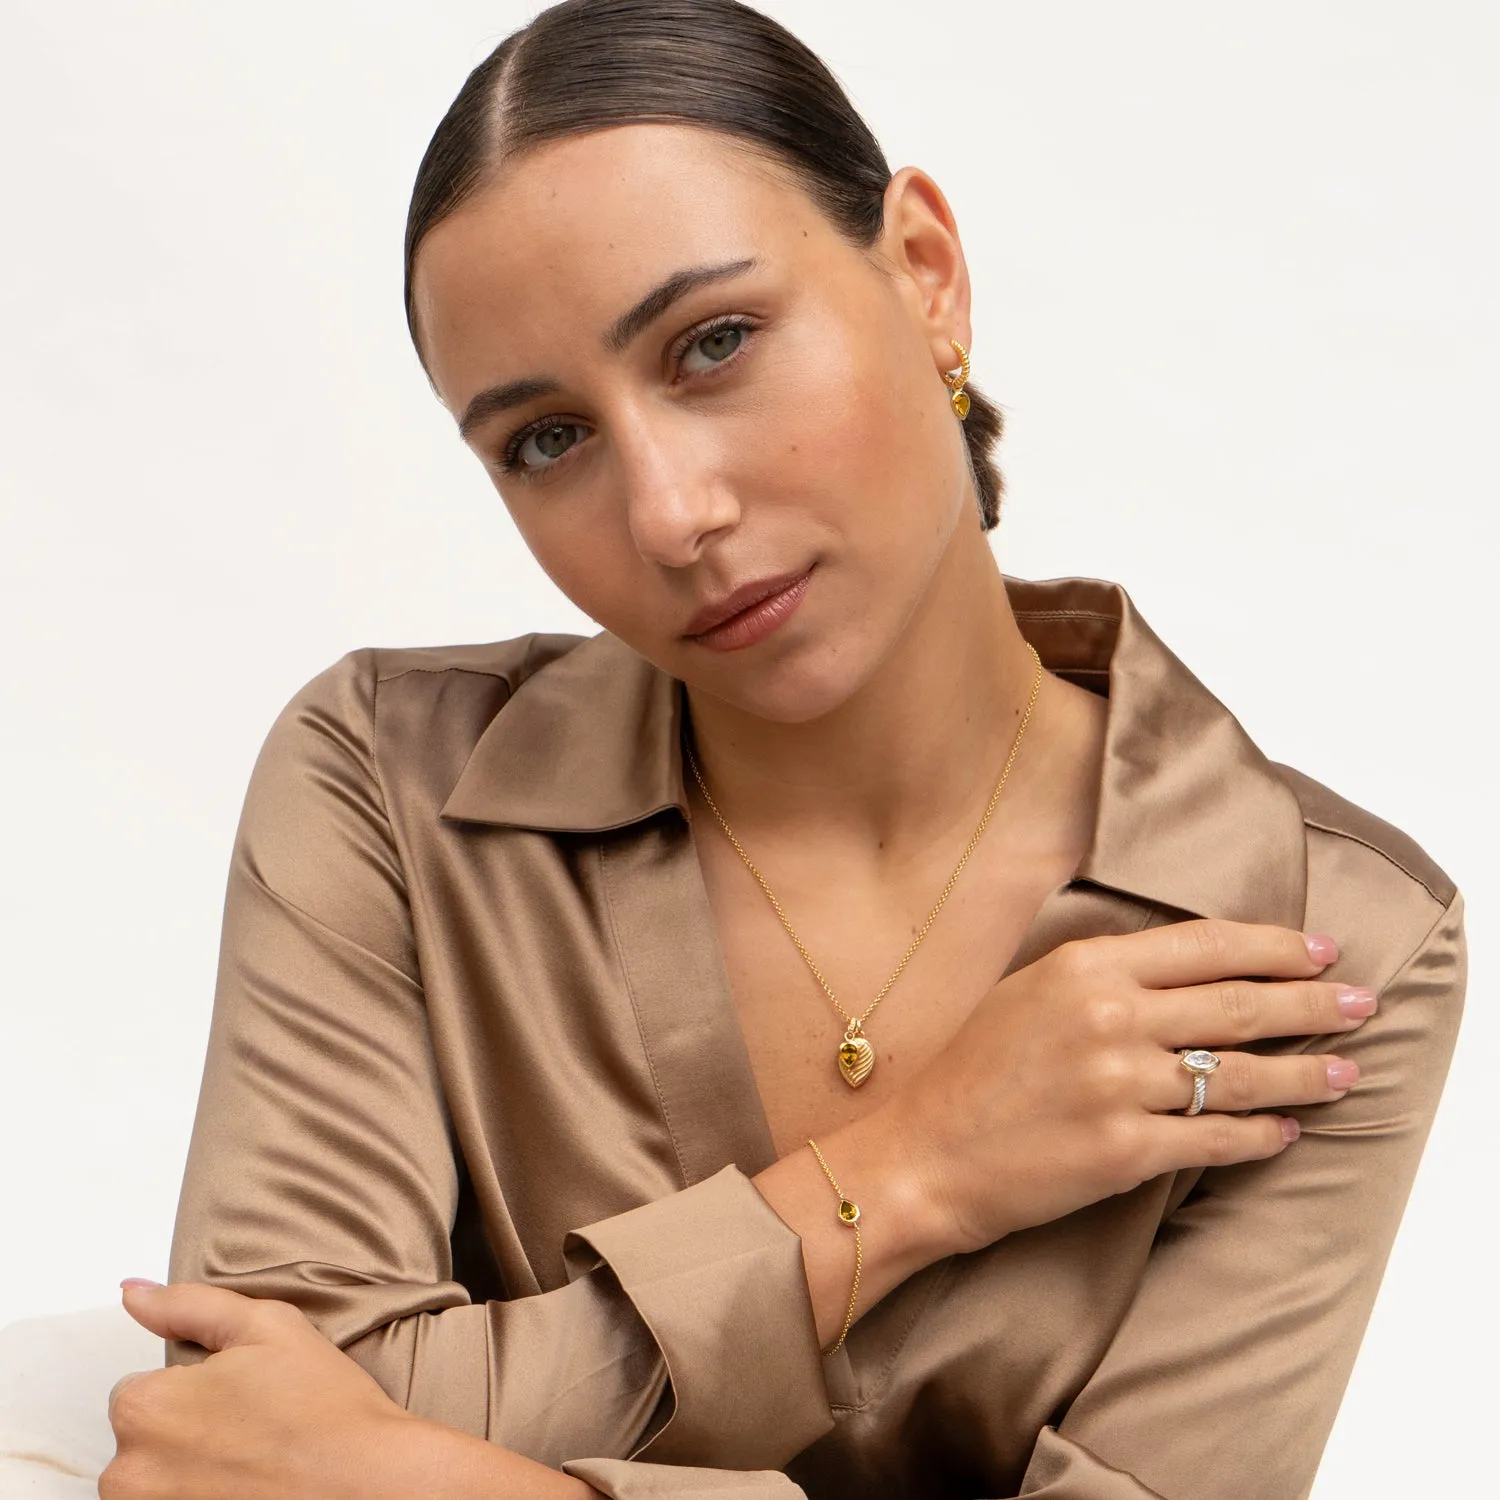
x=856 y=1059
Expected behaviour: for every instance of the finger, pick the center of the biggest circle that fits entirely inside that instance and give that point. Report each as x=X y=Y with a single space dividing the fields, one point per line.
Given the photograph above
x=1212 y=1139
x=1207 y=948
x=212 y=1316
x=1229 y=1011
x=1245 y=1080
x=119 y=1386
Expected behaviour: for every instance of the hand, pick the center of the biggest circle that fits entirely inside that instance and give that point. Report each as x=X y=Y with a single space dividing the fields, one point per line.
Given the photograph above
x=279 y=1412
x=1063 y=1085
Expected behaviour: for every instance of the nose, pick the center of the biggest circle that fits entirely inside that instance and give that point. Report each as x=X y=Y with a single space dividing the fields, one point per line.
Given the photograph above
x=677 y=498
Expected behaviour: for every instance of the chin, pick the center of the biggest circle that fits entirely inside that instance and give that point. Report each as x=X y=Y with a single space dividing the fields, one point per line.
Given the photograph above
x=793 y=686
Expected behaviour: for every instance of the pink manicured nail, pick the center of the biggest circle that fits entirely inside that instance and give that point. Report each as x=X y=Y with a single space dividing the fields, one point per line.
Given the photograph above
x=1322 y=947
x=1342 y=1074
x=1355 y=1001
x=1290 y=1129
x=138 y=1281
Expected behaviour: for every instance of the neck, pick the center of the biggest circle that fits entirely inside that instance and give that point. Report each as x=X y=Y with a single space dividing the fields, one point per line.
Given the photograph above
x=913 y=755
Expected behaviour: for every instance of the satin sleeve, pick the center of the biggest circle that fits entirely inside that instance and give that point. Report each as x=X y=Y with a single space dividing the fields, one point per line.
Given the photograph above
x=1226 y=1375
x=622 y=1480
x=322 y=1169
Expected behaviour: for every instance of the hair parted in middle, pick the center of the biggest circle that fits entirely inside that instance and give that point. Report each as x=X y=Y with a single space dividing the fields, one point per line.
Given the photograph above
x=585 y=65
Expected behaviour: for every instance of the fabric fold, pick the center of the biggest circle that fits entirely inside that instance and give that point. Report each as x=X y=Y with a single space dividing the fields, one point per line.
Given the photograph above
x=1061 y=1469
x=714 y=1268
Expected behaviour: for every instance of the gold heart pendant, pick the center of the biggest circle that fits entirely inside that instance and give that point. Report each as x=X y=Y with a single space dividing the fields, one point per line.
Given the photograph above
x=856 y=1059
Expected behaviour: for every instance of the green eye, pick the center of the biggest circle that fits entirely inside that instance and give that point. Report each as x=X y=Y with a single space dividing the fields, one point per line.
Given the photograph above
x=721 y=343
x=549 y=442
x=718 y=345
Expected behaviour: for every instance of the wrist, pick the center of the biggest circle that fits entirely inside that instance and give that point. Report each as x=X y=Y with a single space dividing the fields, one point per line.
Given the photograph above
x=881 y=1168
x=899 y=1230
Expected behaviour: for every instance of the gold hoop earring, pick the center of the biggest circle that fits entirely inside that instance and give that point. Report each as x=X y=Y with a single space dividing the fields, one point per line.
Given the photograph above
x=955 y=380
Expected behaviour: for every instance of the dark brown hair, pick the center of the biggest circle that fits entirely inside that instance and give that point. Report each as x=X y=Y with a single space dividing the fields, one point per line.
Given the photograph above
x=588 y=64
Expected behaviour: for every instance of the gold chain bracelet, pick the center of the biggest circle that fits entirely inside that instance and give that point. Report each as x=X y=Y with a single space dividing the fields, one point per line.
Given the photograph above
x=848 y=1214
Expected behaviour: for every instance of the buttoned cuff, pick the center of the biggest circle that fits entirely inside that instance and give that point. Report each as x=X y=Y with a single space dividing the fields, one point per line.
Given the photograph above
x=717 y=1276
x=1061 y=1469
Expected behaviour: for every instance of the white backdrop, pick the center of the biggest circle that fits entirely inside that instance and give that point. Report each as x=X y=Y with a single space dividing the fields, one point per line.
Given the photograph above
x=1235 y=287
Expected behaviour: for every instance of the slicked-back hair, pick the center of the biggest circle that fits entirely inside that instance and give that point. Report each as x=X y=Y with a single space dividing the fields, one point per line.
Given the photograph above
x=585 y=65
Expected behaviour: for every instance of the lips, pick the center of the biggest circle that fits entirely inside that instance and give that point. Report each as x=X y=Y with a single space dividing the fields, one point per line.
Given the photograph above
x=745 y=597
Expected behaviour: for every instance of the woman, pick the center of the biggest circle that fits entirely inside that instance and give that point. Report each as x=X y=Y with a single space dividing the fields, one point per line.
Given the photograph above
x=844 y=1029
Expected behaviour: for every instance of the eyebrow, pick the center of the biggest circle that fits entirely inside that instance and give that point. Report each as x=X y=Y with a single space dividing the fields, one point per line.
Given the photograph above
x=617 y=338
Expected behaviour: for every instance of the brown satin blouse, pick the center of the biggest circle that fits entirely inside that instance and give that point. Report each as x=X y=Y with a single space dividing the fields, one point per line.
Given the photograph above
x=477 y=1099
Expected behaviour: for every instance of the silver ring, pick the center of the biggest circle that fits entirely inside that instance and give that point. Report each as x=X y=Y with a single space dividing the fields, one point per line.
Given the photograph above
x=1200 y=1062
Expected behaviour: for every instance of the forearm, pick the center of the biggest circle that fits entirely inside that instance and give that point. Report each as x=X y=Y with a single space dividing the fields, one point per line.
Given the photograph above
x=899 y=1232
x=428 y=1458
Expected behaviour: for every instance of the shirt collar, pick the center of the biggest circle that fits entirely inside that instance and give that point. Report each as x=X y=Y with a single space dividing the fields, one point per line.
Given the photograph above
x=1191 y=814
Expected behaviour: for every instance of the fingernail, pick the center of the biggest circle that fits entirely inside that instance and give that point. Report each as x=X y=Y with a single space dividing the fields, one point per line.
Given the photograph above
x=139 y=1281
x=1354 y=1001
x=1322 y=947
x=1342 y=1074
x=1290 y=1129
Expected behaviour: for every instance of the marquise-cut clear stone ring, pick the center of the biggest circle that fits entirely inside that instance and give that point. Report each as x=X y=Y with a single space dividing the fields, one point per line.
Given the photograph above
x=1200 y=1062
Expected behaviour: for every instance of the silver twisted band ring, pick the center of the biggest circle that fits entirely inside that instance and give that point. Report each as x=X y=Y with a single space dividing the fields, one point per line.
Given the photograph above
x=1200 y=1062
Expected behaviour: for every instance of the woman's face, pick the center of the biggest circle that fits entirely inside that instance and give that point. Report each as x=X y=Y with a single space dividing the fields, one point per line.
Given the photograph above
x=782 y=422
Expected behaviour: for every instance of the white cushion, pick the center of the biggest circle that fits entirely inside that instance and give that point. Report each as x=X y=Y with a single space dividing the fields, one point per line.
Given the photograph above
x=55 y=1377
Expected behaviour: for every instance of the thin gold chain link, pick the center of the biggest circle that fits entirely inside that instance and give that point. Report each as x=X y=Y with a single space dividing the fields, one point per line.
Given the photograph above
x=856 y=1023
x=848 y=1214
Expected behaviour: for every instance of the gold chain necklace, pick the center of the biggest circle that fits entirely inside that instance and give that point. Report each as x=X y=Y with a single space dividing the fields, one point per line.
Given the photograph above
x=856 y=1056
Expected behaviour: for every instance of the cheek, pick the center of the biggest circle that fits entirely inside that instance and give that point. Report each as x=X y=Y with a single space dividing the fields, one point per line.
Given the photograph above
x=875 y=451
x=582 y=555
x=830 y=425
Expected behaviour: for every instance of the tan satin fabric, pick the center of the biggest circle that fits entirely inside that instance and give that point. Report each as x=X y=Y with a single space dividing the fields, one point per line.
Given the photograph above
x=477 y=1099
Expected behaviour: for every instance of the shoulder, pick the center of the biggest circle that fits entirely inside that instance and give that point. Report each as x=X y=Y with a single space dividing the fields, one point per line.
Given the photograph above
x=378 y=729
x=509 y=662
x=1326 y=813
x=1368 y=880
x=362 y=675
x=379 y=709
x=372 y=680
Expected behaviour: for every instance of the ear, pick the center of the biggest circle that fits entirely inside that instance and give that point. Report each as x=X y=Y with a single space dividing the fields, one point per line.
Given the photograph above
x=920 y=238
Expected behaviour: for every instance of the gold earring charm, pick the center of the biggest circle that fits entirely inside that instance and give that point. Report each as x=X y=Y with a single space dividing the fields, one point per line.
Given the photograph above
x=957 y=379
